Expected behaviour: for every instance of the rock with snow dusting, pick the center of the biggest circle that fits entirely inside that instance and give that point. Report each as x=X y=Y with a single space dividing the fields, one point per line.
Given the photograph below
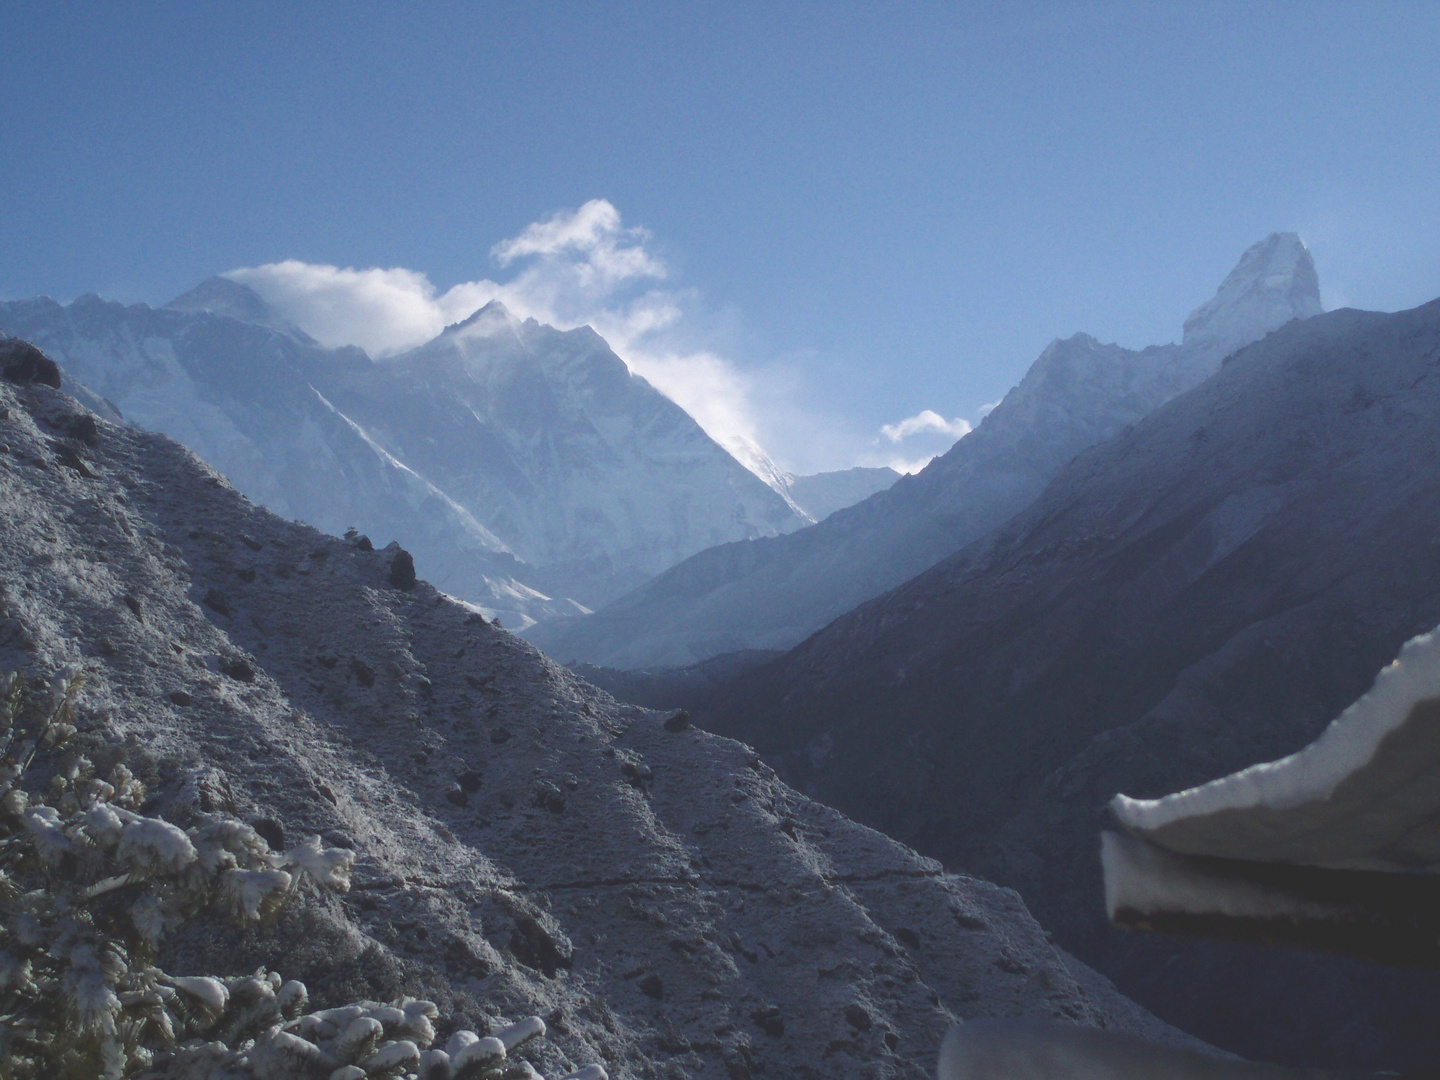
x=676 y=912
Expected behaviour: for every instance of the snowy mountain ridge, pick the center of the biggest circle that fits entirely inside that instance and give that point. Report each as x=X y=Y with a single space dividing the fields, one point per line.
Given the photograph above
x=1274 y=282
x=518 y=462
x=773 y=593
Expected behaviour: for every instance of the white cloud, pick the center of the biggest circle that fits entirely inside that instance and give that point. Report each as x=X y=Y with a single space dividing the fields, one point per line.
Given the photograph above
x=579 y=267
x=383 y=311
x=927 y=421
x=609 y=251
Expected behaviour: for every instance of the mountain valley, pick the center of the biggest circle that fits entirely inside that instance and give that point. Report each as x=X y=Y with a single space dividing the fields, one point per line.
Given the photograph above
x=773 y=592
x=523 y=844
x=1199 y=593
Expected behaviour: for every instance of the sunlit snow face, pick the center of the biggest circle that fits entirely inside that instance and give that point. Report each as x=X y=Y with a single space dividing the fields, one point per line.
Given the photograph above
x=587 y=267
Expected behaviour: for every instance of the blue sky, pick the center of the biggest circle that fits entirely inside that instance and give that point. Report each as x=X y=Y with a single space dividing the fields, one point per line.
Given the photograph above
x=817 y=220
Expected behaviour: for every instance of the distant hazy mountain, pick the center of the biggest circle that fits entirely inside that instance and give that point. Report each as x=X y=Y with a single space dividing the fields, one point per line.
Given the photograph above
x=772 y=593
x=221 y=296
x=585 y=470
x=821 y=494
x=1198 y=594
x=517 y=462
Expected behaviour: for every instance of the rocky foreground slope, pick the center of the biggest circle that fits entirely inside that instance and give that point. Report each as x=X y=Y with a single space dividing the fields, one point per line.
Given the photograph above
x=524 y=844
x=773 y=592
x=1196 y=595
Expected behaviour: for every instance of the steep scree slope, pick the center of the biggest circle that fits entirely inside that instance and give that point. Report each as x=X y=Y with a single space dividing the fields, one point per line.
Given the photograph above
x=524 y=843
x=1203 y=592
x=772 y=593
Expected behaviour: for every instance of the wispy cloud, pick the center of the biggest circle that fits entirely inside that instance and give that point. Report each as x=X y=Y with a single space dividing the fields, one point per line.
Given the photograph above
x=607 y=252
x=925 y=436
x=383 y=311
x=927 y=421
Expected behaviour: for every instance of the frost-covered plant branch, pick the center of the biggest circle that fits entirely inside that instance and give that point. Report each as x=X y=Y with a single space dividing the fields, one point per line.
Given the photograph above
x=88 y=887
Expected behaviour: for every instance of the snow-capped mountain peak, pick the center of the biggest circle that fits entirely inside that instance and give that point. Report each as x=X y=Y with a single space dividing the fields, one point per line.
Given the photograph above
x=1274 y=282
x=221 y=296
x=494 y=318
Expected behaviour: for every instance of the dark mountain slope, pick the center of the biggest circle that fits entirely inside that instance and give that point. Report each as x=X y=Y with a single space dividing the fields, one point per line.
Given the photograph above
x=1202 y=592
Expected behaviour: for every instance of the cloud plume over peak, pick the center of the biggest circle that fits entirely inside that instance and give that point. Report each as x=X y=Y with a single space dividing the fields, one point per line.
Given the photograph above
x=384 y=311
x=608 y=250
x=573 y=268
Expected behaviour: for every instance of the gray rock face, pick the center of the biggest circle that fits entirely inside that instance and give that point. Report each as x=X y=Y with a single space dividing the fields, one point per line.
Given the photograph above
x=526 y=468
x=773 y=593
x=525 y=845
x=1199 y=594
x=1274 y=282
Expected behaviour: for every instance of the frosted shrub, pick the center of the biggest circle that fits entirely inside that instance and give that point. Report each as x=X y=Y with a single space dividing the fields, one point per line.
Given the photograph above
x=88 y=887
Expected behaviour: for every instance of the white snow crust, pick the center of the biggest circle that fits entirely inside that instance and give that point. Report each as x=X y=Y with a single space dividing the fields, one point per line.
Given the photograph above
x=1302 y=787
